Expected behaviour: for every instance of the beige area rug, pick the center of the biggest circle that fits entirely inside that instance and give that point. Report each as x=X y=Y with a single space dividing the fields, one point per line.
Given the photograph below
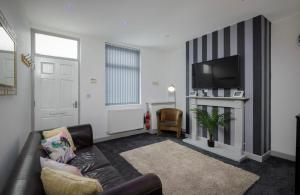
x=184 y=171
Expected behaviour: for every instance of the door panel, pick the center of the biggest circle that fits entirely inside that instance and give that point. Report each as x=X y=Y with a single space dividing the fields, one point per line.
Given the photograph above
x=66 y=70
x=56 y=91
x=48 y=100
x=66 y=87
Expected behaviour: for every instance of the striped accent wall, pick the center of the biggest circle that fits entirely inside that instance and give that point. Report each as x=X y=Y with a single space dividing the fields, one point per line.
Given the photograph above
x=251 y=40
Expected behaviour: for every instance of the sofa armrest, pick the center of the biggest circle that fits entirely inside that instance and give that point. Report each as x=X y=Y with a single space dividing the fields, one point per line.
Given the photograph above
x=148 y=184
x=82 y=135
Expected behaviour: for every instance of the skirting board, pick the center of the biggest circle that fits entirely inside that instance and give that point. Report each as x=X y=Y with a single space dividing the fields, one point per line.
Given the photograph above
x=152 y=131
x=257 y=157
x=283 y=156
x=120 y=135
x=219 y=149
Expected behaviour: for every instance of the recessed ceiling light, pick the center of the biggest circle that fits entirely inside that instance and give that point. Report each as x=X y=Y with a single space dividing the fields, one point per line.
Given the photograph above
x=68 y=6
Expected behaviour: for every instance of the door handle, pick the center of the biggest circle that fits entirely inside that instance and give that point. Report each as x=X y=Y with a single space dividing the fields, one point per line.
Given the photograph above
x=75 y=104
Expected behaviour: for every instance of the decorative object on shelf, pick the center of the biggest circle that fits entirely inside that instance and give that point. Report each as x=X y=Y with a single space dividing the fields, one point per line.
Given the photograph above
x=204 y=92
x=8 y=73
x=193 y=93
x=238 y=94
x=27 y=60
x=210 y=122
x=172 y=90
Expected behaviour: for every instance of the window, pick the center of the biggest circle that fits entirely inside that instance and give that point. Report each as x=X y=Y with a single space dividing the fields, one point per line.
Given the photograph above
x=122 y=75
x=56 y=46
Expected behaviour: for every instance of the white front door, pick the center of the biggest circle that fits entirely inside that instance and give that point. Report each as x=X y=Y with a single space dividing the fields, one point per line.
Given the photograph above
x=55 y=93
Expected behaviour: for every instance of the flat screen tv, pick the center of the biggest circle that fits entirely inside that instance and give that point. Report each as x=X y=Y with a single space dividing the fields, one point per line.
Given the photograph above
x=219 y=73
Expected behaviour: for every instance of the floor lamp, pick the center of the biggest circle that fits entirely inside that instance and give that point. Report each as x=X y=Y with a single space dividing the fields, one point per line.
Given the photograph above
x=172 y=89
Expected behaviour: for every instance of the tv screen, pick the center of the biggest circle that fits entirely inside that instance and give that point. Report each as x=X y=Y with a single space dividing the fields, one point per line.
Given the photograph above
x=219 y=73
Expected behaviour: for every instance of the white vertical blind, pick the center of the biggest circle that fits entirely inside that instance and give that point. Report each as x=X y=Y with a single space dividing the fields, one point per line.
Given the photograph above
x=122 y=75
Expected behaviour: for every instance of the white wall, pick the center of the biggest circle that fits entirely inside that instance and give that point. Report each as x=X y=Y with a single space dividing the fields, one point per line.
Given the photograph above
x=176 y=72
x=15 y=112
x=93 y=109
x=285 y=84
x=154 y=66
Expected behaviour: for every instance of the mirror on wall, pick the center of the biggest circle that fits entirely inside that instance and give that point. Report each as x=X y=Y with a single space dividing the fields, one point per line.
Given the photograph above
x=7 y=58
x=7 y=64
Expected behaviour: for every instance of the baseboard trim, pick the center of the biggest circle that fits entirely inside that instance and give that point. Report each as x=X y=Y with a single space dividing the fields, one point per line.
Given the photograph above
x=120 y=135
x=256 y=157
x=283 y=156
x=152 y=131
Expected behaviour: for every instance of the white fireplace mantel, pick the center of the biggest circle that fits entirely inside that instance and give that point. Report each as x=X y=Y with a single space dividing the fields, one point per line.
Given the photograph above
x=234 y=151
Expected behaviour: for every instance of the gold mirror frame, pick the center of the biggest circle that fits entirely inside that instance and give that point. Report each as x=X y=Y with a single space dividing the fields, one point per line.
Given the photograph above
x=3 y=89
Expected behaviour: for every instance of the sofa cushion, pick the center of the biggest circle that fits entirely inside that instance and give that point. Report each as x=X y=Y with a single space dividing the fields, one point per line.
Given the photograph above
x=58 y=182
x=107 y=176
x=52 y=164
x=88 y=159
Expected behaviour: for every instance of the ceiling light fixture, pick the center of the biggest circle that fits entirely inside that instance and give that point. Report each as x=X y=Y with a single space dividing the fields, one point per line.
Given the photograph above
x=68 y=6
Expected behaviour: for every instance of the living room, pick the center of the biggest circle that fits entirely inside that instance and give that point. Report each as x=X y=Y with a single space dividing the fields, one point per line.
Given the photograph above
x=137 y=89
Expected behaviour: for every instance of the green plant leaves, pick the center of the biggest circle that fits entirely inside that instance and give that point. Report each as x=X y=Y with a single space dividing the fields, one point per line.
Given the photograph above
x=210 y=121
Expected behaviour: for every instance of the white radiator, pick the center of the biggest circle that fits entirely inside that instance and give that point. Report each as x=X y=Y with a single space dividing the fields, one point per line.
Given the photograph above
x=120 y=120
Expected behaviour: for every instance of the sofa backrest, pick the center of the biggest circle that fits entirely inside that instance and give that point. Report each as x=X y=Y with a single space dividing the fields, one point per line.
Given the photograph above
x=25 y=176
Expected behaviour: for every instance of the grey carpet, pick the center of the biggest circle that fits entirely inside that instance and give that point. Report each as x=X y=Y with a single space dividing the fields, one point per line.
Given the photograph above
x=276 y=175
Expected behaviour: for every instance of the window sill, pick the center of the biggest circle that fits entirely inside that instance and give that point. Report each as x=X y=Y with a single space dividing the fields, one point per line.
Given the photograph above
x=123 y=107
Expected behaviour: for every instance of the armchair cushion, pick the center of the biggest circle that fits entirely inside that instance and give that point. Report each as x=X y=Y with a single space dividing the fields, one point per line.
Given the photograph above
x=168 y=123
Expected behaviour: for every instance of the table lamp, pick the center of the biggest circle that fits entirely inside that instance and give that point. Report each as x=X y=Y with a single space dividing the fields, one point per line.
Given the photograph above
x=172 y=89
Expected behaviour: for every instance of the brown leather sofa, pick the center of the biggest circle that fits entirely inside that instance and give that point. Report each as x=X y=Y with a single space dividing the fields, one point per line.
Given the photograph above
x=25 y=178
x=169 y=119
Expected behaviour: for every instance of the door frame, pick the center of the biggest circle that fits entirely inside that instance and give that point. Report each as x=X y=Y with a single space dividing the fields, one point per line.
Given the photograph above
x=33 y=31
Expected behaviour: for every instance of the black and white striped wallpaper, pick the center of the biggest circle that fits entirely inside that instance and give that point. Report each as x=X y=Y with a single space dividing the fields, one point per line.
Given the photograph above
x=251 y=40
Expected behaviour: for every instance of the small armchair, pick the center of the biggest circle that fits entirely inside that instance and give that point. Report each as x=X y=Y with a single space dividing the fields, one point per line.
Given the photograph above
x=169 y=119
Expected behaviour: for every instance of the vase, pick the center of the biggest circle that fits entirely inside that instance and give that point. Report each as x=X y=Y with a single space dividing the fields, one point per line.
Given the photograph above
x=210 y=143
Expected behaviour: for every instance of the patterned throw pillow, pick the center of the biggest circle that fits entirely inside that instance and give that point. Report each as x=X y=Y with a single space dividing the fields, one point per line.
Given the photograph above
x=53 y=132
x=58 y=148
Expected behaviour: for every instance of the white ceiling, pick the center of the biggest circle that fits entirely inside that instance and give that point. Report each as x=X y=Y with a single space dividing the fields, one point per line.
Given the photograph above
x=150 y=23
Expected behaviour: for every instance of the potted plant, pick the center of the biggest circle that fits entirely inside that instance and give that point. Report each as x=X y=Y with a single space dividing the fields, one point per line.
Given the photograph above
x=210 y=122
